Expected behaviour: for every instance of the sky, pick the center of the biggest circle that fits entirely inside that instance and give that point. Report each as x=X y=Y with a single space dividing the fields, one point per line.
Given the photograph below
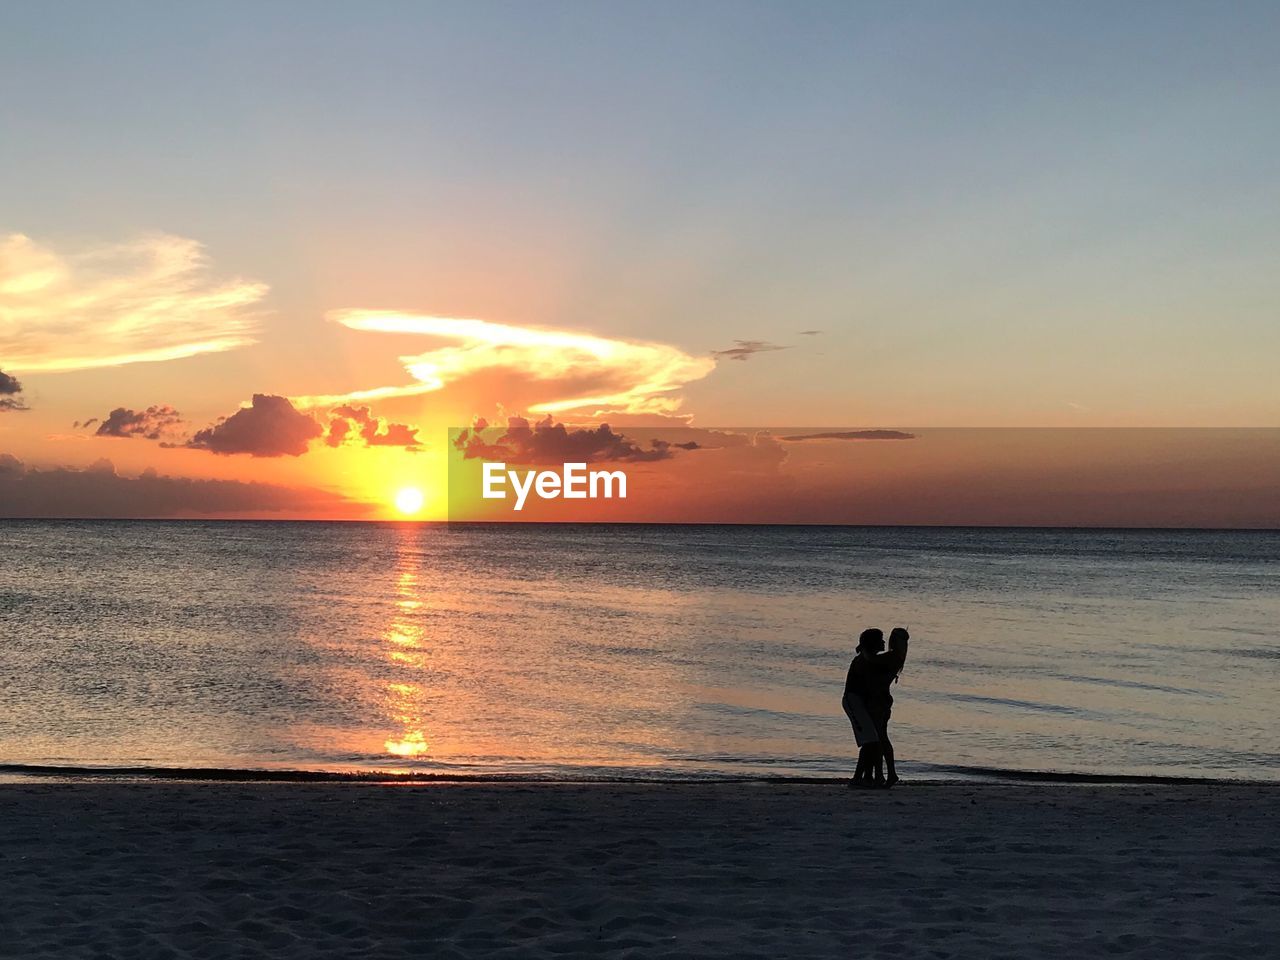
x=363 y=224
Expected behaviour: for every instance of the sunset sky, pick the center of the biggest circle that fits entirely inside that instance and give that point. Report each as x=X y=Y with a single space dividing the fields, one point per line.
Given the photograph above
x=367 y=224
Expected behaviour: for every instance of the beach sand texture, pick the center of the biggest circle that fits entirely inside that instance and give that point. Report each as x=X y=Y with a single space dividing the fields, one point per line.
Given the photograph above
x=211 y=870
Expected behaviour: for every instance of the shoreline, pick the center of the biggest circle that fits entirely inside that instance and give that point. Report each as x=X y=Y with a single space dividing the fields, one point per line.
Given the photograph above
x=963 y=775
x=763 y=869
x=445 y=522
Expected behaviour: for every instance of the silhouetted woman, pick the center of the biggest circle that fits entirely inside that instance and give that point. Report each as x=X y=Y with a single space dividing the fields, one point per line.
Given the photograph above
x=885 y=666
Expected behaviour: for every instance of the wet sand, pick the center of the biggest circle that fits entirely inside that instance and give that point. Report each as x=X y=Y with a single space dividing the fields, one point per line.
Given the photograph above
x=118 y=869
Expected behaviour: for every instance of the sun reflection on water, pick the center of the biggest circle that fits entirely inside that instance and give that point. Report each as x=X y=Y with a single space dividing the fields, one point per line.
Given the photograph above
x=404 y=639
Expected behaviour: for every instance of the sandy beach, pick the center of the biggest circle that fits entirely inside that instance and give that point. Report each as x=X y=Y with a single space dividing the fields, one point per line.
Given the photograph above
x=111 y=869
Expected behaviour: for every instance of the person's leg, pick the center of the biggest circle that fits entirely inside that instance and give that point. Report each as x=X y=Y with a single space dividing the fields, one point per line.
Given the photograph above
x=883 y=731
x=886 y=748
x=864 y=731
x=878 y=718
x=857 y=736
x=874 y=768
x=860 y=772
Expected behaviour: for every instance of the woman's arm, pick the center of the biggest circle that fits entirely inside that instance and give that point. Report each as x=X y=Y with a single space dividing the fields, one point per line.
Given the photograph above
x=898 y=640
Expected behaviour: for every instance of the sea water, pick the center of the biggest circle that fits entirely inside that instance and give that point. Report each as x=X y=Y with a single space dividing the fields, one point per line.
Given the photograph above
x=657 y=651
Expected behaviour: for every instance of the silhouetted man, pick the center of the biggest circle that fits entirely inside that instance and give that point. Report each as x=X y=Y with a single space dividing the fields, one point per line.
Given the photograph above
x=858 y=689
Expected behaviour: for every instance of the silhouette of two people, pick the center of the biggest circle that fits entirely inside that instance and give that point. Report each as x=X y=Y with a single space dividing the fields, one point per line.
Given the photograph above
x=868 y=702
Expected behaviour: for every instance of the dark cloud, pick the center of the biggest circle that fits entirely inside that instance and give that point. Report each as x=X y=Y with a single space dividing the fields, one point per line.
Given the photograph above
x=746 y=349
x=152 y=423
x=10 y=389
x=658 y=444
x=547 y=442
x=99 y=491
x=810 y=333
x=374 y=431
x=271 y=427
x=855 y=435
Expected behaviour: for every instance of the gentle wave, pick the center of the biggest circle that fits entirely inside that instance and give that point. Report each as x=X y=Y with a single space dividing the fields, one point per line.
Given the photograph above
x=948 y=772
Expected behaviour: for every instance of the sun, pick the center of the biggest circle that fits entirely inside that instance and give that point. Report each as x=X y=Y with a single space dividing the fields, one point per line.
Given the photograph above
x=409 y=500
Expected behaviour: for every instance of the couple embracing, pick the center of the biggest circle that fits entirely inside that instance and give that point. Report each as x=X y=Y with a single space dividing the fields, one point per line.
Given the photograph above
x=867 y=703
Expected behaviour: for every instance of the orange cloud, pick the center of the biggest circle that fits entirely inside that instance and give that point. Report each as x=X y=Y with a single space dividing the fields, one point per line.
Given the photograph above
x=349 y=422
x=581 y=372
x=152 y=299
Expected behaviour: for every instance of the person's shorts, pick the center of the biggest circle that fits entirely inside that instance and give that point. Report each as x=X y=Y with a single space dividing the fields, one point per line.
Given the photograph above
x=864 y=728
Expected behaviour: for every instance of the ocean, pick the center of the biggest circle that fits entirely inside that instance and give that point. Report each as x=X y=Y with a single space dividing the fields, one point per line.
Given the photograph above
x=567 y=651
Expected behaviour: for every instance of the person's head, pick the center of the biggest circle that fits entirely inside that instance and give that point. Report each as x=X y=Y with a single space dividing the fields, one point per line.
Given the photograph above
x=871 y=640
x=898 y=638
